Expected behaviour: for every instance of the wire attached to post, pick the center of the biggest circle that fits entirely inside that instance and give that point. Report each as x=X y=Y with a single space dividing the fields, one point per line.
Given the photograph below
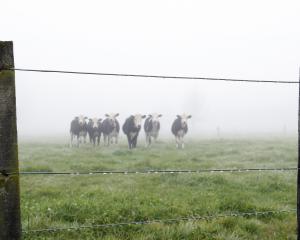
x=151 y=76
x=162 y=221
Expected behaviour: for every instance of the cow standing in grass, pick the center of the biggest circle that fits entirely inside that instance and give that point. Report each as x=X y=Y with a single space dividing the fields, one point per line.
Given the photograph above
x=110 y=129
x=131 y=129
x=152 y=127
x=94 y=130
x=89 y=129
x=180 y=128
x=78 y=130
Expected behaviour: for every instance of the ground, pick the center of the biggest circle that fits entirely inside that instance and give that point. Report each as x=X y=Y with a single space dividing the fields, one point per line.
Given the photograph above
x=63 y=201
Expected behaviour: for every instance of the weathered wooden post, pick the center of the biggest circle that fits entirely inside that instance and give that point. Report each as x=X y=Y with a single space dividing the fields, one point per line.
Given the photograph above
x=10 y=220
x=298 y=172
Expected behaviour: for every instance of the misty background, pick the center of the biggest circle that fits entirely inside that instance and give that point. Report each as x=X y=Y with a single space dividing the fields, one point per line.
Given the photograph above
x=226 y=39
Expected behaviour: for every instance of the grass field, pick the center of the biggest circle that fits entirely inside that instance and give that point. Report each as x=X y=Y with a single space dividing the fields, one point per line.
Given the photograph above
x=62 y=201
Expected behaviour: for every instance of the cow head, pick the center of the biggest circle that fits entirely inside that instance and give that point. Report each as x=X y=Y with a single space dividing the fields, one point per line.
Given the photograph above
x=137 y=119
x=112 y=118
x=81 y=119
x=155 y=118
x=96 y=122
x=183 y=119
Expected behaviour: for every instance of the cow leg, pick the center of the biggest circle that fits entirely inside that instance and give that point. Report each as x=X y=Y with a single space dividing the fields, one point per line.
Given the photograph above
x=84 y=138
x=134 y=141
x=77 y=140
x=147 y=141
x=129 y=141
x=155 y=137
x=71 y=140
x=104 y=139
x=177 y=141
x=107 y=140
x=181 y=142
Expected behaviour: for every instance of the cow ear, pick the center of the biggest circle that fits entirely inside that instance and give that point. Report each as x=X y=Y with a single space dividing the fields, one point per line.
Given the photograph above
x=149 y=115
x=159 y=115
x=143 y=116
x=117 y=114
x=106 y=115
x=189 y=116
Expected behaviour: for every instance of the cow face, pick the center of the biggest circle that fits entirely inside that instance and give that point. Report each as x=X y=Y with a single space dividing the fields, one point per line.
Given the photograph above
x=112 y=118
x=96 y=122
x=81 y=119
x=183 y=118
x=155 y=117
x=137 y=119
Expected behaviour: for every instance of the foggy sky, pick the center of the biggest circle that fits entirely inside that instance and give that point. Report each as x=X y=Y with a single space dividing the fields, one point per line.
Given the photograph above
x=228 y=39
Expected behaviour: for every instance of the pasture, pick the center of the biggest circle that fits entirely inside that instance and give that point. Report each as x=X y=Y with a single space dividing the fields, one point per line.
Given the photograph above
x=62 y=201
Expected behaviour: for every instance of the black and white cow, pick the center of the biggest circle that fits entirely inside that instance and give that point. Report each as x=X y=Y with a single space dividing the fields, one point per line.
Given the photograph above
x=110 y=129
x=94 y=130
x=131 y=129
x=90 y=129
x=152 y=127
x=78 y=130
x=180 y=128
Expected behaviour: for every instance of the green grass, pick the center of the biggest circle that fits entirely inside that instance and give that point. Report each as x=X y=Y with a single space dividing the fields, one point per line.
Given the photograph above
x=62 y=201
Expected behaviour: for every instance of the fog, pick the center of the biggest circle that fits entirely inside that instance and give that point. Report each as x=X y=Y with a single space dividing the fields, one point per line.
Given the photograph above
x=228 y=39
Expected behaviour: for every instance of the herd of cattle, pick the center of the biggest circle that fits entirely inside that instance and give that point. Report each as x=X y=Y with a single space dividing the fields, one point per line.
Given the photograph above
x=94 y=128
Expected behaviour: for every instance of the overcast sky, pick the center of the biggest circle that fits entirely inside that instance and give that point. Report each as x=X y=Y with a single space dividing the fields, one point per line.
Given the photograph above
x=257 y=39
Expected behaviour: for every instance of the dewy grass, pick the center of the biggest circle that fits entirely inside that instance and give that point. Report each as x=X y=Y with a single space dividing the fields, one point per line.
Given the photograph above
x=62 y=201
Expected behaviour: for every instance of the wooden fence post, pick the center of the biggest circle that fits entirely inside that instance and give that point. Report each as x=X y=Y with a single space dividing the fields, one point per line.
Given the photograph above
x=298 y=171
x=10 y=220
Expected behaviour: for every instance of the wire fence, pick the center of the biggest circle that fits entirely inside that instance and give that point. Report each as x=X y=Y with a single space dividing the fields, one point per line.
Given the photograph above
x=5 y=174
x=160 y=221
x=125 y=172
x=152 y=76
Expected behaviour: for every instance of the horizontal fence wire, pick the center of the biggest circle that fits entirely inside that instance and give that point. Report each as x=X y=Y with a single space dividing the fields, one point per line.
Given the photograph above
x=162 y=221
x=152 y=76
x=125 y=172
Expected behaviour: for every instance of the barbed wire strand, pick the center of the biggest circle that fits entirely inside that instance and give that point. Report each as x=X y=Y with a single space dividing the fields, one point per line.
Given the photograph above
x=151 y=76
x=125 y=172
x=174 y=220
